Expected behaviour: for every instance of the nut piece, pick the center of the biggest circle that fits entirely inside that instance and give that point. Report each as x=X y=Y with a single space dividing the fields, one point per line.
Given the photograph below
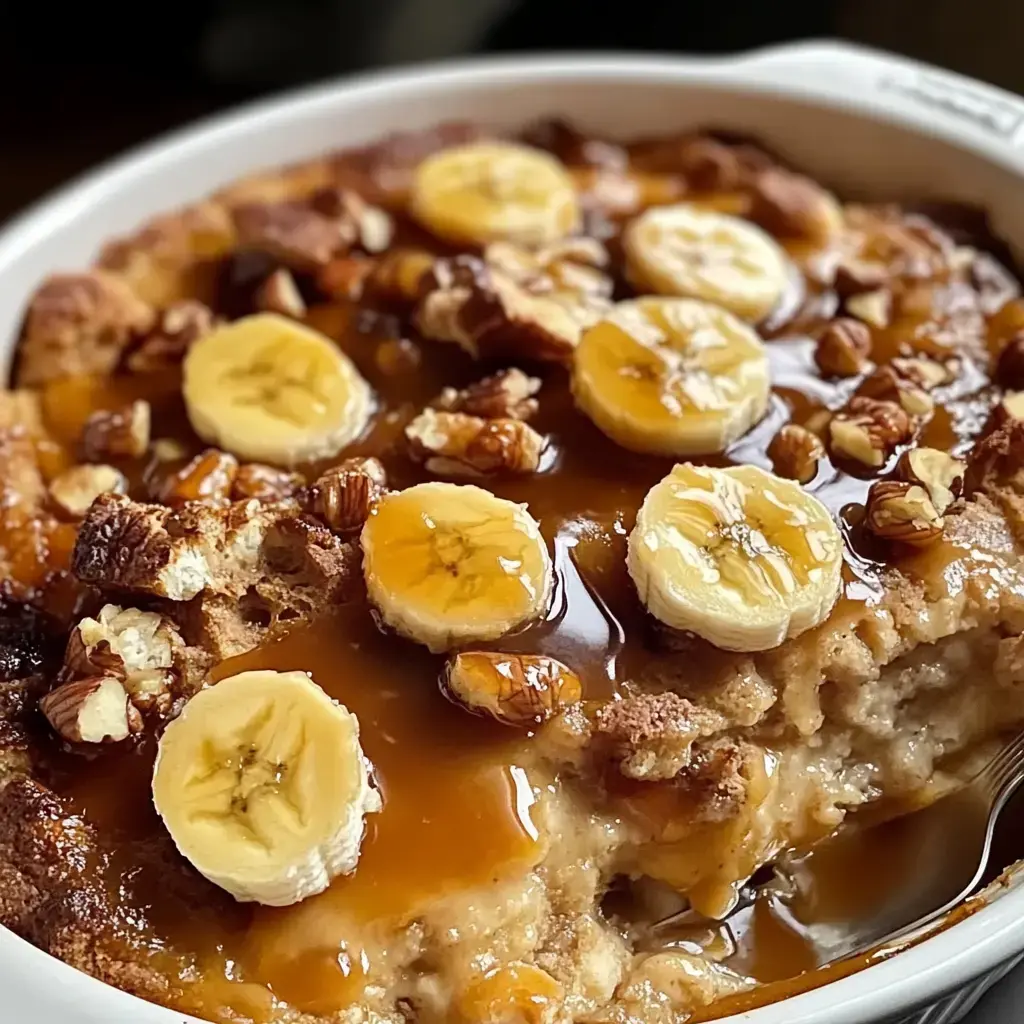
x=489 y=313
x=517 y=689
x=907 y=381
x=873 y=308
x=901 y=511
x=91 y=710
x=266 y=483
x=869 y=431
x=209 y=477
x=373 y=227
x=853 y=276
x=177 y=327
x=941 y=475
x=301 y=237
x=843 y=348
x=1010 y=364
x=791 y=206
x=456 y=445
x=280 y=294
x=122 y=434
x=345 y=494
x=77 y=488
x=795 y=453
x=79 y=324
x=505 y=395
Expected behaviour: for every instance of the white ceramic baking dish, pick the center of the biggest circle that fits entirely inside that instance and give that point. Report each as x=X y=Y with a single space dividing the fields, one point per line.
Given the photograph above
x=864 y=122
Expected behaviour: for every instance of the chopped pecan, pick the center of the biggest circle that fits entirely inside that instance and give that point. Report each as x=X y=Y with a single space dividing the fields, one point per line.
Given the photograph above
x=118 y=434
x=517 y=689
x=280 y=294
x=902 y=511
x=907 y=381
x=397 y=356
x=874 y=308
x=941 y=475
x=572 y=266
x=79 y=324
x=796 y=453
x=91 y=710
x=651 y=736
x=869 y=431
x=296 y=234
x=489 y=314
x=209 y=477
x=267 y=483
x=75 y=489
x=176 y=328
x=1009 y=370
x=344 y=495
x=508 y=394
x=373 y=227
x=844 y=348
x=791 y=206
x=454 y=444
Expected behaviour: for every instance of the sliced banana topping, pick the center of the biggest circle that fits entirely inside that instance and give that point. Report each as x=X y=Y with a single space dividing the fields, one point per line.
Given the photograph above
x=493 y=192
x=737 y=556
x=263 y=785
x=446 y=564
x=268 y=389
x=671 y=376
x=686 y=250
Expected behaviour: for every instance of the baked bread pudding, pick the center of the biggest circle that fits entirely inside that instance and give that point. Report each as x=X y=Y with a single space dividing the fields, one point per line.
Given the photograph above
x=429 y=569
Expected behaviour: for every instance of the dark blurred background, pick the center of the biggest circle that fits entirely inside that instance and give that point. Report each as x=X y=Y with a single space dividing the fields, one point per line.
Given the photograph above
x=82 y=81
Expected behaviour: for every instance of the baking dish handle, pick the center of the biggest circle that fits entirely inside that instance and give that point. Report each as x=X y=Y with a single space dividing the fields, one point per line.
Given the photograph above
x=894 y=86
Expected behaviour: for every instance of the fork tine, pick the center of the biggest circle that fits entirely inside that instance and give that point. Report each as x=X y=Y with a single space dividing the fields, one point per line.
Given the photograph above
x=1005 y=768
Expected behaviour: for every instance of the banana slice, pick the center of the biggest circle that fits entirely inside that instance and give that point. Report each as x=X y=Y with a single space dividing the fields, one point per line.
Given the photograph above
x=447 y=564
x=671 y=376
x=495 y=191
x=738 y=556
x=687 y=250
x=262 y=785
x=270 y=390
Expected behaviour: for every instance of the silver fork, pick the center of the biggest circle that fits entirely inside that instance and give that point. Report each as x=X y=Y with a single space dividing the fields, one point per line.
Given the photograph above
x=944 y=851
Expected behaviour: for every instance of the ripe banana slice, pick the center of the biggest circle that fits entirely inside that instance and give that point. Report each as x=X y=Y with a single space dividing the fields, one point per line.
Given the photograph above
x=262 y=785
x=493 y=192
x=686 y=250
x=268 y=389
x=446 y=564
x=738 y=556
x=671 y=376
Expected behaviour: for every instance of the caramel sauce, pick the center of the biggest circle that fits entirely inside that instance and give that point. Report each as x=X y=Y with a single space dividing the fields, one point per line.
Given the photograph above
x=457 y=789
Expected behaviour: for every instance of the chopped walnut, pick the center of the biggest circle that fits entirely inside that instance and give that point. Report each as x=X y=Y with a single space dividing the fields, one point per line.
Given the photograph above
x=907 y=381
x=869 y=431
x=792 y=206
x=118 y=434
x=373 y=227
x=209 y=477
x=796 y=453
x=902 y=511
x=296 y=234
x=1009 y=371
x=651 y=736
x=517 y=689
x=844 y=348
x=344 y=496
x=941 y=475
x=91 y=710
x=140 y=648
x=75 y=489
x=489 y=313
x=508 y=394
x=874 y=308
x=280 y=294
x=176 y=329
x=267 y=483
x=456 y=445
x=79 y=324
